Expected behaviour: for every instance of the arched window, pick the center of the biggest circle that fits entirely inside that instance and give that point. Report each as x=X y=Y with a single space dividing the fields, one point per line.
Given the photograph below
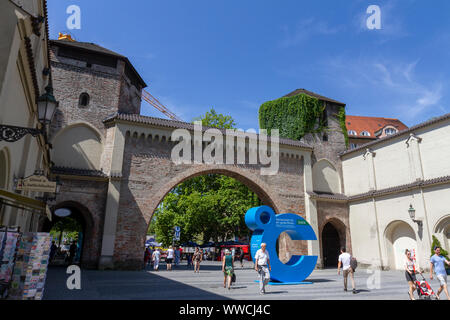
x=352 y=132
x=84 y=100
x=365 y=133
x=389 y=131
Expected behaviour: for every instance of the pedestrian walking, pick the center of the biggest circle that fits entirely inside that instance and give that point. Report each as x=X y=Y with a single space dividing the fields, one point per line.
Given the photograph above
x=344 y=261
x=197 y=258
x=188 y=260
x=169 y=258
x=156 y=256
x=147 y=257
x=177 y=256
x=262 y=266
x=410 y=274
x=438 y=263
x=53 y=250
x=241 y=257
x=72 y=251
x=227 y=269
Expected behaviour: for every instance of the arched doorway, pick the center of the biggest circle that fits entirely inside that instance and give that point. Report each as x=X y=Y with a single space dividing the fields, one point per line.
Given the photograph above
x=442 y=231
x=399 y=236
x=75 y=222
x=331 y=245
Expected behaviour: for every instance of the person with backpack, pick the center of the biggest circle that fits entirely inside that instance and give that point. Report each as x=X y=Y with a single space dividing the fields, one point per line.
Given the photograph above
x=345 y=260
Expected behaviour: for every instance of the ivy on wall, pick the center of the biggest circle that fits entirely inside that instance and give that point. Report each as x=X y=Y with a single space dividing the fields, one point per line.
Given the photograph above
x=341 y=117
x=294 y=116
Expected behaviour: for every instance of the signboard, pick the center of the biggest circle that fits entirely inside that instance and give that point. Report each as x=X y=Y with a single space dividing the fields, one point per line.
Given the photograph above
x=176 y=236
x=36 y=183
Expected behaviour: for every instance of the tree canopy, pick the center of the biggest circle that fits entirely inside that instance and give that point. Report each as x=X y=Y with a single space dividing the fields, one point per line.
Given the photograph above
x=208 y=207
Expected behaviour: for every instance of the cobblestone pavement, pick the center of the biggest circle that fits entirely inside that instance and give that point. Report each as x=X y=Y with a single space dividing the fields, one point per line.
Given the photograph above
x=183 y=283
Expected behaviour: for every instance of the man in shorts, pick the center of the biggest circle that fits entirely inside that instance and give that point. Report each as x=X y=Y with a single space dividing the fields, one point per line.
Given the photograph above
x=438 y=262
x=344 y=261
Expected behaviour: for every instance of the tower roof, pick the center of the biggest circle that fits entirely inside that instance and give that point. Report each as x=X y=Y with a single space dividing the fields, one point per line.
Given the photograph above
x=95 y=48
x=313 y=94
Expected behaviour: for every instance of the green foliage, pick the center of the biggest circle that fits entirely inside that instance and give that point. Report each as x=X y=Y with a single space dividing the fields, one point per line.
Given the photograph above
x=69 y=226
x=208 y=207
x=216 y=120
x=294 y=116
x=341 y=117
x=437 y=243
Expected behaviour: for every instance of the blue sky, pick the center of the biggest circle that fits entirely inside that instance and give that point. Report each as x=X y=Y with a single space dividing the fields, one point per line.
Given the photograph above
x=234 y=55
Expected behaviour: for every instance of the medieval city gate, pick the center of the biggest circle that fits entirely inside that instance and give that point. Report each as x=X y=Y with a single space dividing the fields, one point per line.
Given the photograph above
x=142 y=172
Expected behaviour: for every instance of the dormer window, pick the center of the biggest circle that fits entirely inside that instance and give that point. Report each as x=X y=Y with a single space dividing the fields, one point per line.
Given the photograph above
x=352 y=132
x=365 y=134
x=84 y=100
x=390 y=131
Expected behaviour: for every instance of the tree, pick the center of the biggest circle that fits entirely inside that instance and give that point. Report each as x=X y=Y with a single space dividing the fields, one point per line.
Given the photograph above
x=208 y=207
x=437 y=243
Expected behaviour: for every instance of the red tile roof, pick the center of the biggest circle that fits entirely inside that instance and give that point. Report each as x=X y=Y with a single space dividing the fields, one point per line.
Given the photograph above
x=371 y=124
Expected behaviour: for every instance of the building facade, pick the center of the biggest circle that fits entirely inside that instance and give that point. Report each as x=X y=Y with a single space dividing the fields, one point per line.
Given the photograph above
x=24 y=75
x=386 y=177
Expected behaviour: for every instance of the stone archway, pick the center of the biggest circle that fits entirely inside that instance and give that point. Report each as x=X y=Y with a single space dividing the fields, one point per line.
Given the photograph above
x=398 y=237
x=333 y=237
x=83 y=216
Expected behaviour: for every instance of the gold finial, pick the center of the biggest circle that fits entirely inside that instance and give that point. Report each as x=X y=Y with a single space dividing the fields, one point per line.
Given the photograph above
x=62 y=36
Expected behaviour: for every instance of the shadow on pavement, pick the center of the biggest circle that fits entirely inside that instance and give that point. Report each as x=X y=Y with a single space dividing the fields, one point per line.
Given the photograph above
x=123 y=285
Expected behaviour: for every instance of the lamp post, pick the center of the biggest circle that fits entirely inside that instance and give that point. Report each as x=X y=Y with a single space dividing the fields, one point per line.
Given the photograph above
x=412 y=215
x=47 y=105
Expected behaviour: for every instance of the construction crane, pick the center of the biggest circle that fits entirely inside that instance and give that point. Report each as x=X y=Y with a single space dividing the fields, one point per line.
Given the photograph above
x=151 y=100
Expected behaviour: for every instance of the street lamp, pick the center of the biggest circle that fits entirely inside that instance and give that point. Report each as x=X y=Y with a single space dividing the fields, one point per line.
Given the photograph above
x=47 y=105
x=412 y=215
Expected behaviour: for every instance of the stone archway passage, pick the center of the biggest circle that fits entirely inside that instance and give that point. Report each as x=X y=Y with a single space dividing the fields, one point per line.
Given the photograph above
x=83 y=217
x=331 y=245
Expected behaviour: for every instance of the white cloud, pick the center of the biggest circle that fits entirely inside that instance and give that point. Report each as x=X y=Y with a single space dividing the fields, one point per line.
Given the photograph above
x=402 y=90
x=306 y=29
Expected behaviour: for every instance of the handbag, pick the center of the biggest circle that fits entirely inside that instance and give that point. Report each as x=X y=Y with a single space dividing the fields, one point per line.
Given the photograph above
x=233 y=277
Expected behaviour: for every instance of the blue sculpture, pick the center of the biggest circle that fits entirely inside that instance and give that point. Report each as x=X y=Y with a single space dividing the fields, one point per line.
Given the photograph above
x=267 y=227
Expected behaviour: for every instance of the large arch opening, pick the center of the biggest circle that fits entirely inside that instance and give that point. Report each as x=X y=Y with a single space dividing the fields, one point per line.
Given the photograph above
x=399 y=236
x=209 y=206
x=71 y=225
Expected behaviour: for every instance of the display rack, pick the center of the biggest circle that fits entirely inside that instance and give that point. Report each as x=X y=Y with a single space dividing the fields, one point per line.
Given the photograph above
x=9 y=244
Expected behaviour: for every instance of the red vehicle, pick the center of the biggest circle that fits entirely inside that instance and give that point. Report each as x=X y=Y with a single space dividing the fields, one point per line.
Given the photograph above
x=244 y=247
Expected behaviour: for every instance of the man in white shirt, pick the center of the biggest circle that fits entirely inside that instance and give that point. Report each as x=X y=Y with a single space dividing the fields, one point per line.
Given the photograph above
x=156 y=256
x=262 y=266
x=344 y=261
x=169 y=258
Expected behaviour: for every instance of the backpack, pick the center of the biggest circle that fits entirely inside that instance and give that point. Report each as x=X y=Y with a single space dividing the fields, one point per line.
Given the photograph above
x=353 y=263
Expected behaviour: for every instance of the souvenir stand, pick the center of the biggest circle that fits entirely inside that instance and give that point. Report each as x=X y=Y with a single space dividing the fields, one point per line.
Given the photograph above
x=9 y=242
x=24 y=260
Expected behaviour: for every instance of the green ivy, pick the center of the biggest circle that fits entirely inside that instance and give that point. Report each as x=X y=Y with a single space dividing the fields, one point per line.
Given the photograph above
x=294 y=116
x=341 y=117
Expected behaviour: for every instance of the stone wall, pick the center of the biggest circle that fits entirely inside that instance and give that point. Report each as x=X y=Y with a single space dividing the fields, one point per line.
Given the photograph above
x=149 y=174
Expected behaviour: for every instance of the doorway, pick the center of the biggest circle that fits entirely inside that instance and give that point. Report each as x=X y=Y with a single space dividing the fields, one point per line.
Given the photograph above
x=331 y=246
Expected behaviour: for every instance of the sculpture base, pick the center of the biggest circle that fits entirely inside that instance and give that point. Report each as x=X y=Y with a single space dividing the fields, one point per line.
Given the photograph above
x=277 y=283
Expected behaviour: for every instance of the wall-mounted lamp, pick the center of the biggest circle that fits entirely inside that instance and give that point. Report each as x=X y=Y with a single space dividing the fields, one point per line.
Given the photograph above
x=412 y=215
x=47 y=105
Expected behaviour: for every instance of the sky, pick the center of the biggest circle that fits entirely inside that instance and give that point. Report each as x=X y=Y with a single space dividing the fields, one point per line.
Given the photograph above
x=234 y=55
